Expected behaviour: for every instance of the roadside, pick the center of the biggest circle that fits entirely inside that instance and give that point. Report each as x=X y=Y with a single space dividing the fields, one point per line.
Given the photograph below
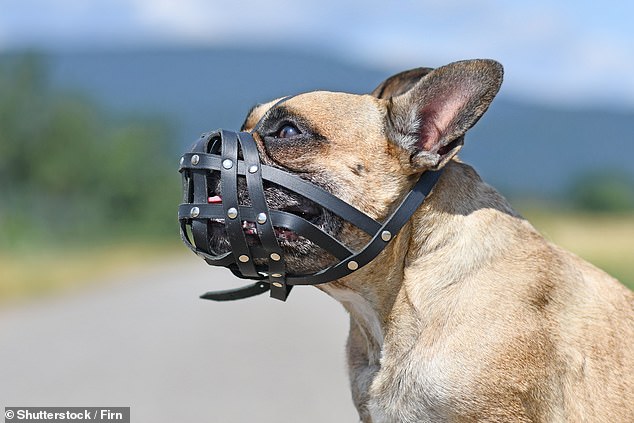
x=146 y=341
x=41 y=272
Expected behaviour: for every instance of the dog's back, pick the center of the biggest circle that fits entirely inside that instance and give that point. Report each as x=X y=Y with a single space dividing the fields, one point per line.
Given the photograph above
x=595 y=332
x=562 y=331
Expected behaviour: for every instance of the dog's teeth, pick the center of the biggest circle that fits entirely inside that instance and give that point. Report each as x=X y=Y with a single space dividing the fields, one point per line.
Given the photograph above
x=248 y=225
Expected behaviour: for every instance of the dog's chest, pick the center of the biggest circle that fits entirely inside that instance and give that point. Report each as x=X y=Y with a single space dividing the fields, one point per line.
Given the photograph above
x=408 y=388
x=366 y=317
x=397 y=385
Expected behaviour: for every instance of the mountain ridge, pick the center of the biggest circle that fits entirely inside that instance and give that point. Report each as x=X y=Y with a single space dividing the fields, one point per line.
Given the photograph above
x=517 y=146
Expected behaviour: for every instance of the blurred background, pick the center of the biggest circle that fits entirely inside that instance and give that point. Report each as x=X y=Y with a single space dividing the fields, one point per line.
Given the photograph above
x=98 y=99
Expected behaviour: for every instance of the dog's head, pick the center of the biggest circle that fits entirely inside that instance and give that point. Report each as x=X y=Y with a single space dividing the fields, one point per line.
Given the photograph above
x=367 y=150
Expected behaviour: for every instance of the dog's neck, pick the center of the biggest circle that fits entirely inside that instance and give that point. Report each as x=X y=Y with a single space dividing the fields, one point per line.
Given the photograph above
x=368 y=303
x=429 y=244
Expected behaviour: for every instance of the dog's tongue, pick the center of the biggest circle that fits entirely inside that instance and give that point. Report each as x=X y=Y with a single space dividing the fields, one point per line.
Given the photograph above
x=216 y=199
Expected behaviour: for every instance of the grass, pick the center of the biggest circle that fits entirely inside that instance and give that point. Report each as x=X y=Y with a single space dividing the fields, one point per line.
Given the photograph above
x=605 y=240
x=41 y=273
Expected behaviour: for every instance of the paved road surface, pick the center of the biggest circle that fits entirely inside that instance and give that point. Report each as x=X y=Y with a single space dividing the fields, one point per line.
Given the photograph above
x=146 y=341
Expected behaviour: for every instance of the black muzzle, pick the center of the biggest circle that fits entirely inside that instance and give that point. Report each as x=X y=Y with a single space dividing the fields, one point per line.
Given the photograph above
x=220 y=160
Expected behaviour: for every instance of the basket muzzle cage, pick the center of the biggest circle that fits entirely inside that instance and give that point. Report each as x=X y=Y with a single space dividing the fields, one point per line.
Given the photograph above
x=229 y=156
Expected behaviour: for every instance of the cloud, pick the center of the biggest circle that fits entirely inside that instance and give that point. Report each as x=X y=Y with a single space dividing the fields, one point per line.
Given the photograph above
x=555 y=50
x=223 y=21
x=547 y=53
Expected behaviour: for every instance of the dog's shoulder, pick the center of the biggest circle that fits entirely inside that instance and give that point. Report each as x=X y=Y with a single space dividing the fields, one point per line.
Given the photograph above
x=487 y=286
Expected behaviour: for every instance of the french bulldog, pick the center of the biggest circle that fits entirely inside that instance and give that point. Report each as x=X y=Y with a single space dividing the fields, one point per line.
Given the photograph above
x=468 y=314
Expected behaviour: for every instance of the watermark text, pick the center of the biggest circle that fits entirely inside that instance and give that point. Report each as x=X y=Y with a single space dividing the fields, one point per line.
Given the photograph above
x=67 y=414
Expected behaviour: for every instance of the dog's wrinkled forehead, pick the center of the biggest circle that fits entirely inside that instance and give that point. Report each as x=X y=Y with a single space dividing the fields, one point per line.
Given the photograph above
x=331 y=113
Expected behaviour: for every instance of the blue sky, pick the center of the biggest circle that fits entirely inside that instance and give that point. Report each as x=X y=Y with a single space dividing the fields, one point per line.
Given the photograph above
x=570 y=52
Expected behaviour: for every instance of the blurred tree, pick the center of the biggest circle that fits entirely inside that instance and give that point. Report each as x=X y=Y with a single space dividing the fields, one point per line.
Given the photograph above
x=603 y=191
x=71 y=171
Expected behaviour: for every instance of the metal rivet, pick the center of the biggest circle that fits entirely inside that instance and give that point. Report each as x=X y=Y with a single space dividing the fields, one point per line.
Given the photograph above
x=243 y=258
x=253 y=168
x=386 y=236
x=275 y=257
x=227 y=164
x=261 y=218
x=232 y=213
x=194 y=212
x=276 y=275
x=195 y=159
x=353 y=265
x=277 y=284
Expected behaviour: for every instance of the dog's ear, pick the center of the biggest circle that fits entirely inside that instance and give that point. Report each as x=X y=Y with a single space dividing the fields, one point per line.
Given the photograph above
x=430 y=119
x=399 y=83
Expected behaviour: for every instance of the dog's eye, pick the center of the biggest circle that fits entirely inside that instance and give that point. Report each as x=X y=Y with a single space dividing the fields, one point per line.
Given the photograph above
x=288 y=131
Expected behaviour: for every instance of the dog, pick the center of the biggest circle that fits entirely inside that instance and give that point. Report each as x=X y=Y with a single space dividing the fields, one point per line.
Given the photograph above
x=468 y=314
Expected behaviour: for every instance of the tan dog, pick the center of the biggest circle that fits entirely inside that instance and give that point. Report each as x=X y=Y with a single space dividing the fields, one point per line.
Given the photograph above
x=468 y=314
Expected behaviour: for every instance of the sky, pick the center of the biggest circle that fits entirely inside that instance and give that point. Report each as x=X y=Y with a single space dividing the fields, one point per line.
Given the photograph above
x=563 y=52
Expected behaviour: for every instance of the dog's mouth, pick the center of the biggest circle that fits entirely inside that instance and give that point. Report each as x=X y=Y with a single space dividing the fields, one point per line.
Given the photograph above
x=301 y=255
x=309 y=212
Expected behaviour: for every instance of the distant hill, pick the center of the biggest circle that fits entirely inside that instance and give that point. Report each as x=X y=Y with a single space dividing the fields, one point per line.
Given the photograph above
x=519 y=147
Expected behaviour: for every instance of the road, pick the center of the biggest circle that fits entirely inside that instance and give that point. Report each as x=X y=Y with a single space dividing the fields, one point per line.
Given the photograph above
x=146 y=341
